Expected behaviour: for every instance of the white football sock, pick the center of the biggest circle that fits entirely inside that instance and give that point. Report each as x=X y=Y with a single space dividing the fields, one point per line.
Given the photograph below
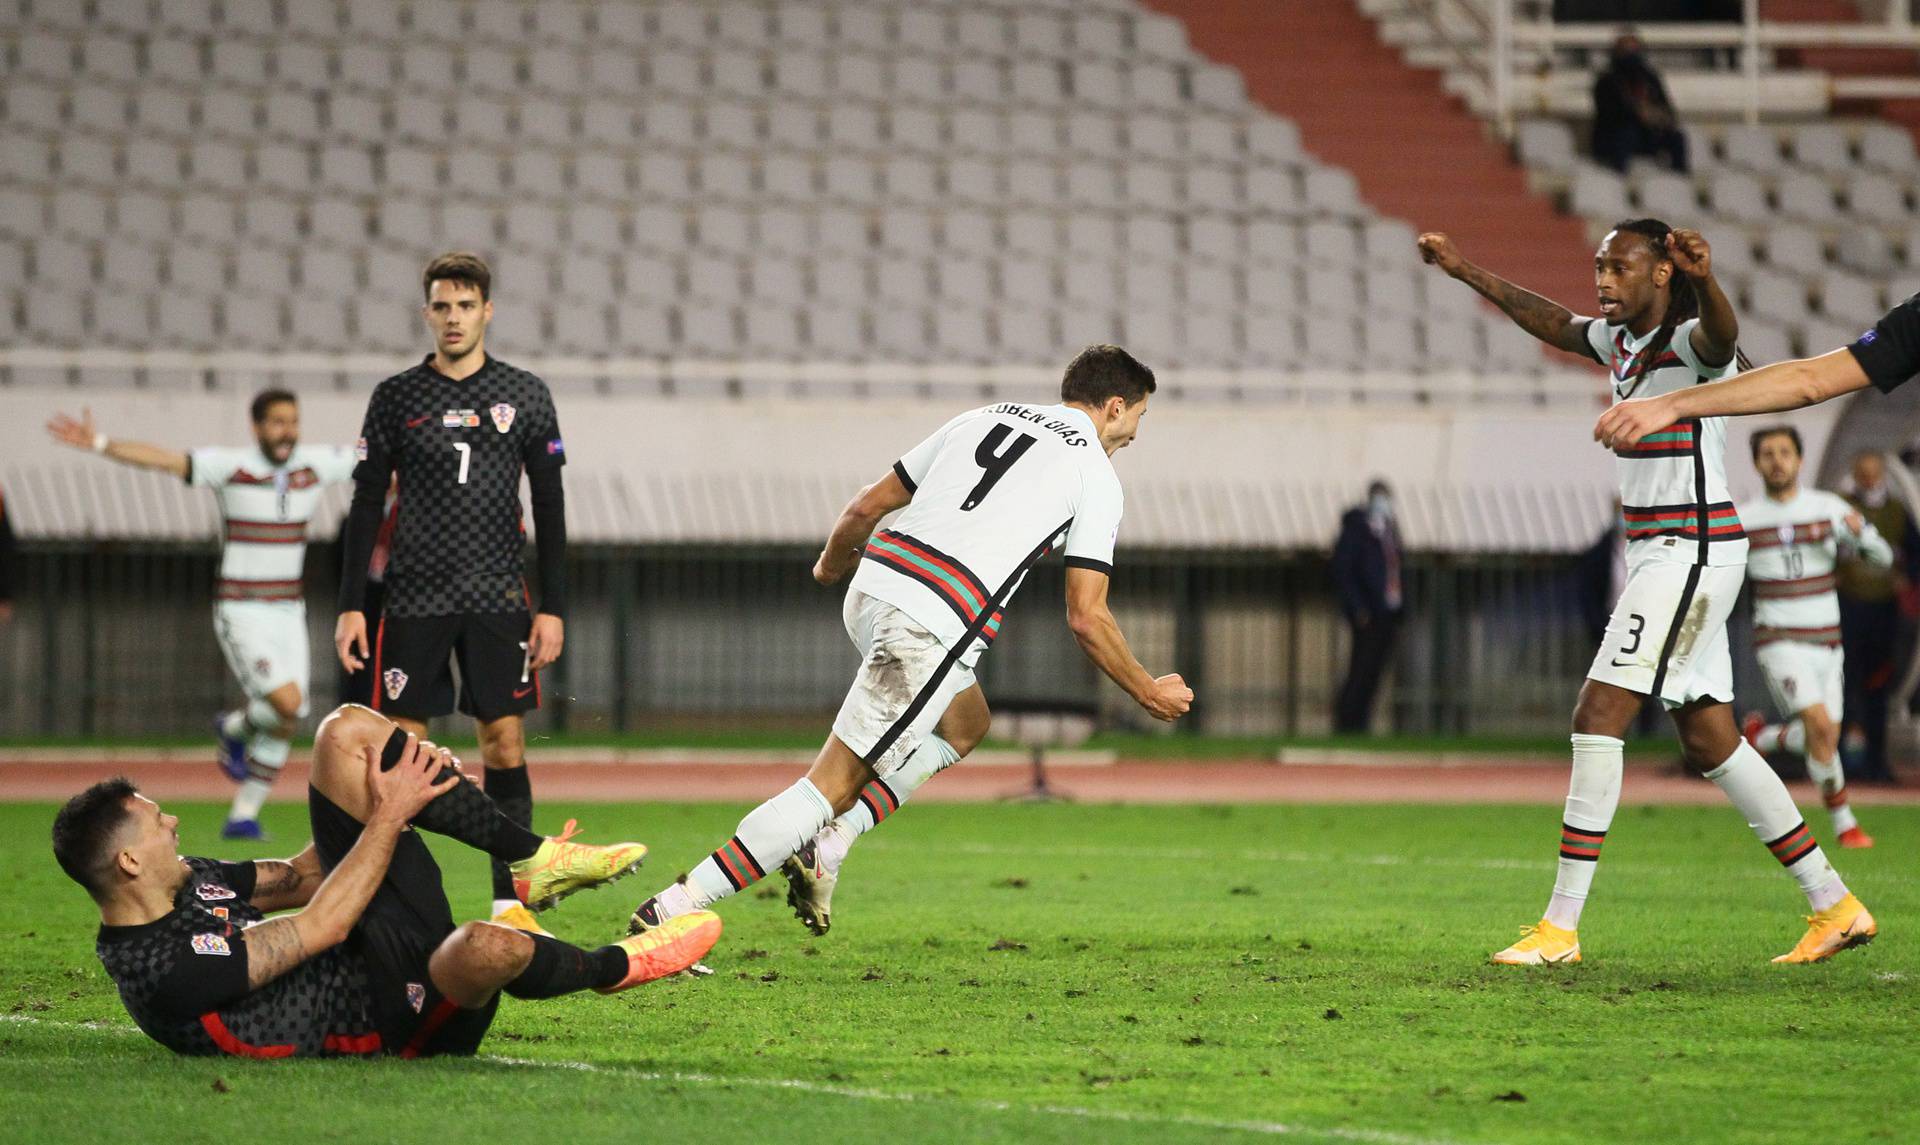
x=1793 y=736
x=765 y=838
x=234 y=725
x=266 y=755
x=1768 y=739
x=1828 y=776
x=1593 y=794
x=882 y=798
x=1757 y=793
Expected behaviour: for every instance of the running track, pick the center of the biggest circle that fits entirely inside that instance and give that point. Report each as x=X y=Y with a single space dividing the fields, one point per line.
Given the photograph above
x=659 y=777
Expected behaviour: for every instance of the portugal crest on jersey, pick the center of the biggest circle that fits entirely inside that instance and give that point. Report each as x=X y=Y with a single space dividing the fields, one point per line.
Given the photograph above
x=396 y=682
x=502 y=417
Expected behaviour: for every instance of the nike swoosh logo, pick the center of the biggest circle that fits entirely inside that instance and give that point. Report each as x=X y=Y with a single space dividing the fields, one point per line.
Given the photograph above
x=523 y=693
x=419 y=421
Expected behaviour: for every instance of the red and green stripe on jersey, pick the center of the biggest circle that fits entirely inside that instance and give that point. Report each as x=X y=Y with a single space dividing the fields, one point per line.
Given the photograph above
x=1811 y=533
x=265 y=532
x=1644 y=521
x=956 y=585
x=1625 y=362
x=1764 y=634
x=1677 y=440
x=1789 y=589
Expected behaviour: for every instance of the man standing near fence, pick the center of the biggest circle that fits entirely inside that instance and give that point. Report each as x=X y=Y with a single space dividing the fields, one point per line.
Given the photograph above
x=267 y=494
x=1366 y=574
x=458 y=429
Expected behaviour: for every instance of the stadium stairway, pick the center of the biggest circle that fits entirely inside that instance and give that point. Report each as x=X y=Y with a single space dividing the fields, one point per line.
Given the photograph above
x=1418 y=153
x=1849 y=61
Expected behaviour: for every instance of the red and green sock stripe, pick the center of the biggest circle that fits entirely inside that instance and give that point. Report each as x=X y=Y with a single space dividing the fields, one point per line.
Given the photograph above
x=738 y=864
x=1580 y=843
x=1794 y=846
x=879 y=800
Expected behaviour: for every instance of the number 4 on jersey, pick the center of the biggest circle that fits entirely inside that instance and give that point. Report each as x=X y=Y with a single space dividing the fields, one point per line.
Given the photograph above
x=995 y=462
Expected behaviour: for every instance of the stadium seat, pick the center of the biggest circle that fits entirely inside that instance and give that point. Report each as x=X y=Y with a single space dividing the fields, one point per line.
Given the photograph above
x=1750 y=147
x=1822 y=147
x=1665 y=195
x=1776 y=296
x=1848 y=298
x=1866 y=250
x=1794 y=250
x=1545 y=144
x=1805 y=196
x=1764 y=342
x=1598 y=193
x=1737 y=195
x=1878 y=198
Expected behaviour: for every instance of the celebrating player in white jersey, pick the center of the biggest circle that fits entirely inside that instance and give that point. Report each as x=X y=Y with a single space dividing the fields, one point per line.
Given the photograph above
x=1795 y=537
x=988 y=495
x=267 y=494
x=1686 y=558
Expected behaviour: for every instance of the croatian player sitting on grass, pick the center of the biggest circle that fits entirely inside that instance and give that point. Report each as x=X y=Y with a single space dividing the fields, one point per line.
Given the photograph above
x=371 y=961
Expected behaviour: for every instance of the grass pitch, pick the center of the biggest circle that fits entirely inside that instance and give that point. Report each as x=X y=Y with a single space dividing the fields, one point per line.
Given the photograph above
x=1066 y=973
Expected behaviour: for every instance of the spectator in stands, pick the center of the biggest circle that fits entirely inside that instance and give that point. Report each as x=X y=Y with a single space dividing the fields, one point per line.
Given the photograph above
x=1870 y=615
x=9 y=556
x=1631 y=112
x=1366 y=574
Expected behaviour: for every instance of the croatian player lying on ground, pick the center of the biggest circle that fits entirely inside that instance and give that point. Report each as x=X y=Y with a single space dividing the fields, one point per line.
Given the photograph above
x=371 y=961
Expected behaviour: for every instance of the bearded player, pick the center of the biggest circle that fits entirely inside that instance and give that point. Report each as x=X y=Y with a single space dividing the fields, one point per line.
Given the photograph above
x=1665 y=326
x=267 y=494
x=370 y=962
x=1795 y=536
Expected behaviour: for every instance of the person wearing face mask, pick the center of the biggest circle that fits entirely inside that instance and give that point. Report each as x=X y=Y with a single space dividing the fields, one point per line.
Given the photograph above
x=1632 y=114
x=1366 y=574
x=1870 y=621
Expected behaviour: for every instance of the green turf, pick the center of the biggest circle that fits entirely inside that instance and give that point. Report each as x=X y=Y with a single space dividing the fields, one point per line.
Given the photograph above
x=1061 y=973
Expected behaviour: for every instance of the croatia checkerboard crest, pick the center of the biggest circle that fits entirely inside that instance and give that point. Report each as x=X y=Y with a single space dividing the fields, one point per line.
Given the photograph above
x=502 y=417
x=396 y=682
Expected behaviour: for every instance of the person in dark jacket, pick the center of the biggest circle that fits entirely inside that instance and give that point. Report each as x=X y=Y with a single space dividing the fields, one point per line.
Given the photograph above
x=1631 y=112
x=9 y=557
x=1366 y=574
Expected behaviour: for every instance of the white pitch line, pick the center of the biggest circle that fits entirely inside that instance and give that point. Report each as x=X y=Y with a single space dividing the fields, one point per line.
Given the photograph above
x=856 y=1093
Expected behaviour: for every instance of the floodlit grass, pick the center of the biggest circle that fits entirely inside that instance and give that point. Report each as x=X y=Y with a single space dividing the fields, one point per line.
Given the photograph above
x=1064 y=973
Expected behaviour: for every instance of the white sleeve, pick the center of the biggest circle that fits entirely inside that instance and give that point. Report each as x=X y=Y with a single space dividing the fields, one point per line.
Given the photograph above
x=212 y=466
x=1683 y=346
x=333 y=463
x=1096 y=524
x=914 y=463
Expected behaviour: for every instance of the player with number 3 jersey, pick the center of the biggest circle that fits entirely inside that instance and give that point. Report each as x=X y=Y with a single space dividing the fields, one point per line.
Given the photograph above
x=982 y=501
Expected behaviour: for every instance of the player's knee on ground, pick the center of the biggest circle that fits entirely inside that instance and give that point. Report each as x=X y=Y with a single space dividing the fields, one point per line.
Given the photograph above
x=476 y=960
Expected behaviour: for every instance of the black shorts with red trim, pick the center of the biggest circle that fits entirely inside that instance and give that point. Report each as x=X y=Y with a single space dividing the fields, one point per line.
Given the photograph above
x=395 y=939
x=414 y=659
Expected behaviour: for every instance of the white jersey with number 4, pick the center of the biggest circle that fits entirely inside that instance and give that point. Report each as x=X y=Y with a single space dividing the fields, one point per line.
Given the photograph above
x=1793 y=546
x=994 y=490
x=264 y=509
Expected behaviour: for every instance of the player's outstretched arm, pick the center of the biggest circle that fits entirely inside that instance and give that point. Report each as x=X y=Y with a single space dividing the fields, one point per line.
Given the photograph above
x=1543 y=318
x=80 y=433
x=394 y=797
x=283 y=884
x=1769 y=389
x=1098 y=633
x=1717 y=335
x=855 y=527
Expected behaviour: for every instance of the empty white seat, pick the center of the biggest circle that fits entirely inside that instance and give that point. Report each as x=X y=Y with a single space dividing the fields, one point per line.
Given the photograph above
x=1273 y=241
x=902 y=332
x=724 y=229
x=66 y=262
x=556 y=71
x=1211 y=287
x=1212 y=187
x=1668 y=196
x=583 y=329
x=1272 y=337
x=263 y=270
x=714 y=278
x=1212 y=138
x=1750 y=147
x=962 y=334
x=1737 y=195
x=1026 y=336
x=339 y=221
x=141 y=215
x=1795 y=250
x=843 y=231
x=55 y=315
x=101 y=108
x=1331 y=290
x=128 y=265
x=209 y=217
x=1331 y=190
x=1545 y=144
x=1395 y=292
x=1151 y=186
x=385 y=325
x=1777 y=296
x=1097 y=84
x=1863 y=249
x=836 y=331
x=1821 y=146
x=1449 y=343
x=1765 y=342
x=776 y=280
x=1848 y=298
x=1332 y=243
x=81 y=213
x=1879 y=198
x=1215 y=238
x=1886 y=147
x=88 y=160
x=1272 y=288
x=186 y=320
x=327 y=273
x=1804 y=196
x=925 y=28
x=239 y=61
x=1332 y=342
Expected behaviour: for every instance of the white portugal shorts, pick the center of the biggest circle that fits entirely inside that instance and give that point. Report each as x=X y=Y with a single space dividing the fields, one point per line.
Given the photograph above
x=905 y=682
x=1668 y=634
x=1802 y=675
x=265 y=642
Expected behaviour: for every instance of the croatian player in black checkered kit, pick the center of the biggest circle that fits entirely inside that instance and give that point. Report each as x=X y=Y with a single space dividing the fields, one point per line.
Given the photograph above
x=458 y=429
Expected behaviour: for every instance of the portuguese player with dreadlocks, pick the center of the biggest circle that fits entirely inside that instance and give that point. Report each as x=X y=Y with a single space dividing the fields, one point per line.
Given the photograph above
x=1665 y=325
